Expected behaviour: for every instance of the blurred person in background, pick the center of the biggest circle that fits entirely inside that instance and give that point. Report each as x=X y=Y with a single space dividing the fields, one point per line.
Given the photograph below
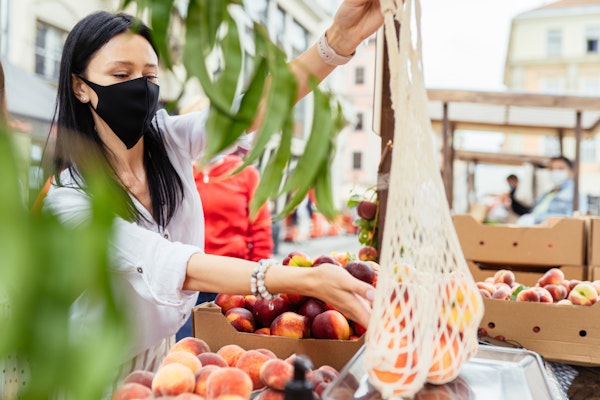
x=558 y=201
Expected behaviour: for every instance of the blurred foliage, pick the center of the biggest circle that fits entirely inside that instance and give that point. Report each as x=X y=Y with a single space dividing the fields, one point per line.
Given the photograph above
x=44 y=268
x=210 y=30
x=367 y=224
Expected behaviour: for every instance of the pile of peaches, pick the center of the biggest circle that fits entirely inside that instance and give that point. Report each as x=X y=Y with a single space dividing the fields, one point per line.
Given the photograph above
x=298 y=316
x=191 y=371
x=552 y=287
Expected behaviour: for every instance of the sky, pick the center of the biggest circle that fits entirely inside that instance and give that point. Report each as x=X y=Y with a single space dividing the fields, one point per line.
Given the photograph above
x=465 y=41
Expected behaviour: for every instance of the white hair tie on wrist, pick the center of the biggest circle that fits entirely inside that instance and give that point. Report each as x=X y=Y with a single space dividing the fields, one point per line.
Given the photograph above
x=328 y=55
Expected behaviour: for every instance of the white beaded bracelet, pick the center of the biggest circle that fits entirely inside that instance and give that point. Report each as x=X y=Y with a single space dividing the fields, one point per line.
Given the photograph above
x=257 y=281
x=328 y=55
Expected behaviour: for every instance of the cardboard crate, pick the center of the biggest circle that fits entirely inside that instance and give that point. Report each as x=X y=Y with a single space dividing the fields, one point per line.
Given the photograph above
x=562 y=333
x=559 y=241
x=210 y=325
x=593 y=241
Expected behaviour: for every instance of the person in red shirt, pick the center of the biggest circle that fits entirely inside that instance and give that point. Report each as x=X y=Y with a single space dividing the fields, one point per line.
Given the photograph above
x=226 y=203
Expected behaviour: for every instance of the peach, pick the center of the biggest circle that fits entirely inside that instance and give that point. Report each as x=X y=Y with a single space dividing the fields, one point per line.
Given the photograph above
x=229 y=301
x=192 y=344
x=366 y=209
x=445 y=366
x=250 y=300
x=263 y=331
x=140 y=376
x=271 y=394
x=228 y=381
x=361 y=270
x=293 y=300
x=275 y=373
x=172 y=379
x=131 y=391
x=297 y=259
x=573 y=283
x=267 y=352
x=358 y=329
x=504 y=276
x=265 y=310
x=583 y=294
x=188 y=396
x=241 y=319
x=231 y=353
x=528 y=294
x=311 y=308
x=330 y=324
x=502 y=293
x=201 y=378
x=367 y=253
x=485 y=293
x=558 y=292
x=211 y=358
x=487 y=286
x=250 y=362
x=325 y=259
x=290 y=324
x=185 y=358
x=553 y=275
x=342 y=258
x=564 y=302
x=545 y=295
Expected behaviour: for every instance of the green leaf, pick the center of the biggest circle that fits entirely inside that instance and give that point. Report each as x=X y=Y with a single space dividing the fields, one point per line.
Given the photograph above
x=324 y=194
x=160 y=17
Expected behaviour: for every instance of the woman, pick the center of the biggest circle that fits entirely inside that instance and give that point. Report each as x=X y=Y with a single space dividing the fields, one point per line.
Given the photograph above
x=107 y=101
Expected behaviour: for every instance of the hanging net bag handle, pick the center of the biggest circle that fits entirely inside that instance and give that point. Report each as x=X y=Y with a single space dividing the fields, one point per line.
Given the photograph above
x=427 y=307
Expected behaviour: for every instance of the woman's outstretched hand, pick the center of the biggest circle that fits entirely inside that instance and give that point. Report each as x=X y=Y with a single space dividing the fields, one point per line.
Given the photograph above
x=354 y=21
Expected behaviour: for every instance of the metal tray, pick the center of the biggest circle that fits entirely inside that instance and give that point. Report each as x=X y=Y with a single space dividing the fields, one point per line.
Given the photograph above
x=493 y=373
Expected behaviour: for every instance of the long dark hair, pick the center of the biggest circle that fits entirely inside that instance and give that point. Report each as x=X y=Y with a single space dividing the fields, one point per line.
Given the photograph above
x=76 y=138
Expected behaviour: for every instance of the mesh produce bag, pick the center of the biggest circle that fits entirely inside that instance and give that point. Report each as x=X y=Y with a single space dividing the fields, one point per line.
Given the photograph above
x=427 y=306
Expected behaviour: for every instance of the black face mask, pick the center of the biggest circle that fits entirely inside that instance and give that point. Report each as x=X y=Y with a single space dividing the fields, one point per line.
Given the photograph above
x=127 y=107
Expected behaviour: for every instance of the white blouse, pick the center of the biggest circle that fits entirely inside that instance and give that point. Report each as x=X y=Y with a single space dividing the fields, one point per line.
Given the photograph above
x=149 y=263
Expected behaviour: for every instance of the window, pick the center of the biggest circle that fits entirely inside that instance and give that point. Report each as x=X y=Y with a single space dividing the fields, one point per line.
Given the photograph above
x=257 y=10
x=48 y=48
x=554 y=42
x=592 y=35
x=359 y=121
x=356 y=160
x=359 y=75
x=278 y=26
x=298 y=38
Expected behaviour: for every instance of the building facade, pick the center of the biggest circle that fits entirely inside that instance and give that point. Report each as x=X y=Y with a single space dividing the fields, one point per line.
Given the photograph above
x=555 y=49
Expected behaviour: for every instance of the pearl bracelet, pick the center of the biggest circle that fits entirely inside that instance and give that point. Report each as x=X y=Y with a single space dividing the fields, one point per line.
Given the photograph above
x=328 y=55
x=257 y=281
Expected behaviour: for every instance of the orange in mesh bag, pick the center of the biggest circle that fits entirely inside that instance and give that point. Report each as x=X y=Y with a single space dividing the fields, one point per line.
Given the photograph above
x=427 y=306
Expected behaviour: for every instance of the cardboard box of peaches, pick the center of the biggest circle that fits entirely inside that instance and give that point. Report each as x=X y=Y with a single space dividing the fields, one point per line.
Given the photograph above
x=530 y=279
x=289 y=324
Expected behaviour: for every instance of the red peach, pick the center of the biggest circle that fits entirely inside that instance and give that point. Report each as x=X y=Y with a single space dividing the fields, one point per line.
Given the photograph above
x=201 y=378
x=293 y=300
x=488 y=286
x=131 y=391
x=290 y=324
x=573 y=283
x=229 y=301
x=324 y=259
x=558 y=292
x=271 y=394
x=173 y=379
x=250 y=300
x=564 y=302
x=485 y=293
x=553 y=275
x=545 y=295
x=367 y=253
x=342 y=258
x=263 y=331
x=250 y=362
x=192 y=344
x=528 y=294
x=228 y=381
x=140 y=376
x=265 y=310
x=361 y=270
x=210 y=358
x=504 y=276
x=311 y=308
x=330 y=324
x=267 y=352
x=241 y=319
x=231 y=353
x=188 y=396
x=275 y=373
x=366 y=209
x=297 y=259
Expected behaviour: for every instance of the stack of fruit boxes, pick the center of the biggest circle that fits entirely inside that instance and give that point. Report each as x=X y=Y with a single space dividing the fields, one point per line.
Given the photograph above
x=563 y=333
